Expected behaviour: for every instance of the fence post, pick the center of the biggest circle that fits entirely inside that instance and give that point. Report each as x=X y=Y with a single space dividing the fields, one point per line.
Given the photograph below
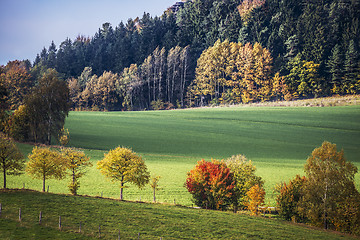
x=40 y=217
x=48 y=188
x=0 y=209
x=80 y=227
x=19 y=214
x=60 y=222
x=138 y=236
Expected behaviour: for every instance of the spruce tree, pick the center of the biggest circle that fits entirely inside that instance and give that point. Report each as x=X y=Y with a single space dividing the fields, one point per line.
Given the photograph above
x=335 y=68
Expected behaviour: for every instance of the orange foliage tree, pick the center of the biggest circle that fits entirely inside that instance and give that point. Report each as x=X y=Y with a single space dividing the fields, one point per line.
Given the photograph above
x=256 y=197
x=212 y=185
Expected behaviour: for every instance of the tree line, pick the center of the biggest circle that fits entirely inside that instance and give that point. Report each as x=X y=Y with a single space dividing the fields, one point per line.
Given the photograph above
x=312 y=47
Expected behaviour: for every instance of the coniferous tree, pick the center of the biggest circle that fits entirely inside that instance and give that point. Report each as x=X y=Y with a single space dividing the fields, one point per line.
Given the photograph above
x=335 y=66
x=351 y=68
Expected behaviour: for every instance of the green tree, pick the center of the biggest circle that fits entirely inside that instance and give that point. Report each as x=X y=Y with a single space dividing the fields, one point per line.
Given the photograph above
x=329 y=178
x=288 y=198
x=124 y=166
x=12 y=162
x=335 y=66
x=47 y=107
x=76 y=162
x=244 y=175
x=45 y=163
x=351 y=69
x=212 y=185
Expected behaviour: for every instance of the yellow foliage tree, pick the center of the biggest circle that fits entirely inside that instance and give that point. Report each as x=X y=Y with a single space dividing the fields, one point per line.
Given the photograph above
x=330 y=189
x=123 y=165
x=76 y=162
x=154 y=184
x=233 y=73
x=256 y=196
x=45 y=163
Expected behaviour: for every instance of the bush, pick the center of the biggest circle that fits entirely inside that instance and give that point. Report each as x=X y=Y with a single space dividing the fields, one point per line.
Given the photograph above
x=289 y=196
x=212 y=185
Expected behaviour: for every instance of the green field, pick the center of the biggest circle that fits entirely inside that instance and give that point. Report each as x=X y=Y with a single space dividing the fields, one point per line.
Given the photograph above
x=152 y=221
x=277 y=139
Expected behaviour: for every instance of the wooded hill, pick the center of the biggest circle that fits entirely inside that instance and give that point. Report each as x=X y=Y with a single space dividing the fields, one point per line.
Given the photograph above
x=257 y=50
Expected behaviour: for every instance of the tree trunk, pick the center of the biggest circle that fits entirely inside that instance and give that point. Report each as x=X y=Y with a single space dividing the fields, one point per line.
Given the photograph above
x=122 y=188
x=43 y=184
x=4 y=176
x=154 y=196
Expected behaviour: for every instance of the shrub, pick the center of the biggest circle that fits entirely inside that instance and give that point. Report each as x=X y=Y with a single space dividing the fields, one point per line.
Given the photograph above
x=256 y=197
x=212 y=185
x=289 y=196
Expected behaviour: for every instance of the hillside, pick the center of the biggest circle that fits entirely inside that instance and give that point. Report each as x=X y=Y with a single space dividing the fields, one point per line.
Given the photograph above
x=152 y=221
x=313 y=47
x=277 y=139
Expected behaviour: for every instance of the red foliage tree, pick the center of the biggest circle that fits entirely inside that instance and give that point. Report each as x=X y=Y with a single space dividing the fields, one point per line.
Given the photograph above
x=212 y=185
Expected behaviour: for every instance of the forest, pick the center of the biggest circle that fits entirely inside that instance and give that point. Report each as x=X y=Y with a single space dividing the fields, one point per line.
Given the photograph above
x=206 y=52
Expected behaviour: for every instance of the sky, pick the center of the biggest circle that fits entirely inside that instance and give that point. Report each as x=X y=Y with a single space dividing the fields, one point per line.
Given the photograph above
x=27 y=26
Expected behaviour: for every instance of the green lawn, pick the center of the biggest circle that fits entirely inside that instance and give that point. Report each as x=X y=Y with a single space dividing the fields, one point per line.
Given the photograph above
x=277 y=139
x=152 y=221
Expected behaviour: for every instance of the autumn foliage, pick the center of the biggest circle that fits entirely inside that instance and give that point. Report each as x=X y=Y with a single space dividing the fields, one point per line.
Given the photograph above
x=212 y=185
x=256 y=198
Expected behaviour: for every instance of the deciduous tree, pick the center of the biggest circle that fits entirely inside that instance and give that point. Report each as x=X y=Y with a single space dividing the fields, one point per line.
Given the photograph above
x=12 y=161
x=47 y=107
x=212 y=185
x=244 y=175
x=45 y=163
x=330 y=177
x=124 y=166
x=256 y=197
x=288 y=198
x=154 y=184
x=76 y=162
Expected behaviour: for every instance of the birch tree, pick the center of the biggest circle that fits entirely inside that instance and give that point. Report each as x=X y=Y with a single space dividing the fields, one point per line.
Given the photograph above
x=329 y=177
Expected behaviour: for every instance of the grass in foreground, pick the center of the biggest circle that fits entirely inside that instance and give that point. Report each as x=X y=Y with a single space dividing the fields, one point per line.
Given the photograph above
x=152 y=221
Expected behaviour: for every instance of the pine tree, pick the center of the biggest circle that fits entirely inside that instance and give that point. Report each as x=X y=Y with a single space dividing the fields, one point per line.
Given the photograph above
x=351 y=68
x=335 y=66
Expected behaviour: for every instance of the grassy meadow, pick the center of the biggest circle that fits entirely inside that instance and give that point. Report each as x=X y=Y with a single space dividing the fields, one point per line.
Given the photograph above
x=152 y=221
x=277 y=139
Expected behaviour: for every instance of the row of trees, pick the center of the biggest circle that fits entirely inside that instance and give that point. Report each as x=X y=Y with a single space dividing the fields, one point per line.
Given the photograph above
x=119 y=165
x=44 y=163
x=163 y=76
